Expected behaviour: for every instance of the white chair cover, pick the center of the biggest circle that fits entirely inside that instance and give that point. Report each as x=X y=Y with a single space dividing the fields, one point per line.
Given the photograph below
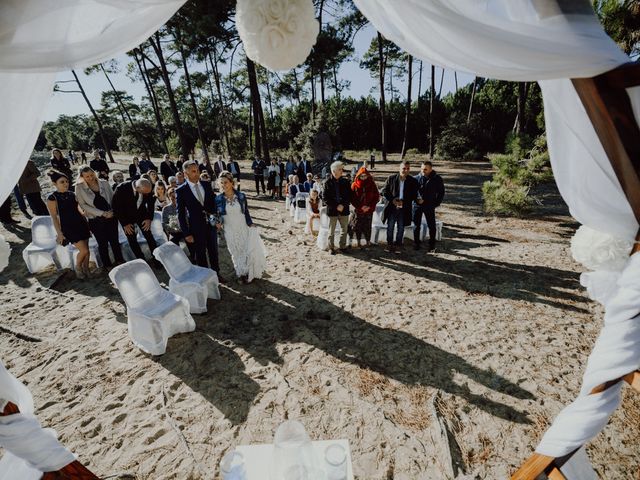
x=378 y=229
x=94 y=255
x=189 y=281
x=300 y=213
x=44 y=250
x=154 y=314
x=156 y=229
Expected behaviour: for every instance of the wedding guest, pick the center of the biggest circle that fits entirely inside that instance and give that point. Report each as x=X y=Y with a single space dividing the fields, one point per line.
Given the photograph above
x=195 y=202
x=60 y=163
x=219 y=166
x=205 y=178
x=400 y=190
x=430 y=195
x=180 y=178
x=336 y=194
x=160 y=193
x=309 y=183
x=83 y=157
x=117 y=177
x=304 y=168
x=30 y=187
x=364 y=198
x=273 y=182
x=72 y=157
x=205 y=166
x=243 y=242
x=173 y=183
x=94 y=197
x=20 y=200
x=314 y=204
x=145 y=163
x=290 y=167
x=167 y=167
x=99 y=165
x=153 y=176
x=282 y=176
x=180 y=162
x=258 y=166
x=134 y=169
x=293 y=187
x=133 y=205
x=171 y=224
x=70 y=225
x=234 y=167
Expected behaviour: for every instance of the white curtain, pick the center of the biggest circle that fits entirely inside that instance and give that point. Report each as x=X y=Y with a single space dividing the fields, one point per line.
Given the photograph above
x=38 y=39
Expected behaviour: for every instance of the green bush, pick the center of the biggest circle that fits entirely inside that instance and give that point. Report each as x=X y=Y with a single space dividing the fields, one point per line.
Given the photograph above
x=506 y=198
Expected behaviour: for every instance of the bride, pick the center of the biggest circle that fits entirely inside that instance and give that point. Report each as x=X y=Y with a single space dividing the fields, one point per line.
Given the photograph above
x=247 y=250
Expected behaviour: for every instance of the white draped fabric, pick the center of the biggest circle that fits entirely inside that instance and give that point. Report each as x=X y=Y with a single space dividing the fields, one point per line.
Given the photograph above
x=549 y=41
x=38 y=39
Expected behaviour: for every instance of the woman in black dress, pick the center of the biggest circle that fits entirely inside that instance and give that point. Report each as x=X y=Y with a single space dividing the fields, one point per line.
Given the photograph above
x=69 y=223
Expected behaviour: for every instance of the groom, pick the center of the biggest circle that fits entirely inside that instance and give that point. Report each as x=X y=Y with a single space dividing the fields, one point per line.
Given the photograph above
x=195 y=202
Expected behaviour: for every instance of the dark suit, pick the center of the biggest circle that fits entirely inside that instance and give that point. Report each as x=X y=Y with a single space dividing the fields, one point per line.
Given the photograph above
x=219 y=167
x=398 y=216
x=134 y=171
x=167 y=170
x=431 y=190
x=100 y=167
x=236 y=175
x=304 y=167
x=126 y=210
x=194 y=220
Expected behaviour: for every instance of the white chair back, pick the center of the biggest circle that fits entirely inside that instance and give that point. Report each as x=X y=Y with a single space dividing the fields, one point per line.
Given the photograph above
x=324 y=218
x=173 y=259
x=301 y=197
x=136 y=282
x=43 y=233
x=156 y=228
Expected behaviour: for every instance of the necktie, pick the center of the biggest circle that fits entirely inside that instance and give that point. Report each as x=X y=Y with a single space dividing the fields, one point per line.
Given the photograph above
x=199 y=194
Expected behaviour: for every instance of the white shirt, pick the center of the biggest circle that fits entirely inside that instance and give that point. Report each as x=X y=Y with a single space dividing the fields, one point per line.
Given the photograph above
x=401 y=196
x=195 y=188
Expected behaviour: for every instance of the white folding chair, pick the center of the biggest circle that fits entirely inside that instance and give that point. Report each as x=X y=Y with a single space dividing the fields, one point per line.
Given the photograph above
x=127 y=253
x=156 y=229
x=300 y=207
x=153 y=313
x=322 y=241
x=192 y=282
x=378 y=229
x=44 y=249
x=93 y=253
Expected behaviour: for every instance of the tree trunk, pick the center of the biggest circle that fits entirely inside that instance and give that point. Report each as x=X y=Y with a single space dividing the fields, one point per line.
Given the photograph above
x=320 y=11
x=258 y=116
x=96 y=117
x=432 y=94
x=473 y=96
x=142 y=67
x=522 y=102
x=441 y=82
x=313 y=95
x=251 y=131
x=157 y=48
x=336 y=85
x=408 y=107
x=455 y=79
x=269 y=95
x=223 y=110
x=382 y=101
x=194 y=105
x=420 y=81
x=297 y=86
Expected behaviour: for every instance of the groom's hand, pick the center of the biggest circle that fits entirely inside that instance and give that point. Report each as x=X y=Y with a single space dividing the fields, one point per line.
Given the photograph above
x=188 y=239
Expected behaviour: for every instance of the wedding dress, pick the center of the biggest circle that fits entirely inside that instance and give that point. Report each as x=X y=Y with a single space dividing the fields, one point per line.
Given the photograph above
x=247 y=249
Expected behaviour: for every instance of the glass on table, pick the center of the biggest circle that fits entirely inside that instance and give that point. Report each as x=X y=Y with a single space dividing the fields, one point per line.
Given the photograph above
x=232 y=466
x=335 y=457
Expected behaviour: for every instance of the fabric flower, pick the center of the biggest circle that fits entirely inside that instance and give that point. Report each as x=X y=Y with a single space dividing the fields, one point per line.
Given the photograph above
x=5 y=251
x=599 y=251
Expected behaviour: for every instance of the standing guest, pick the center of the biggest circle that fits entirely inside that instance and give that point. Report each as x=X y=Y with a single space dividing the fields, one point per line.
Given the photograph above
x=94 y=197
x=179 y=178
x=99 y=165
x=304 y=168
x=219 y=167
x=400 y=190
x=243 y=241
x=30 y=187
x=173 y=183
x=145 y=164
x=290 y=167
x=133 y=204
x=70 y=225
x=83 y=157
x=258 y=166
x=282 y=177
x=167 y=168
x=134 y=169
x=309 y=183
x=364 y=198
x=72 y=157
x=153 y=176
x=336 y=194
x=170 y=222
x=205 y=166
x=430 y=195
x=195 y=202
x=117 y=177
x=372 y=160
x=180 y=162
x=160 y=193
x=273 y=181
x=59 y=163
x=314 y=204
x=20 y=199
x=234 y=167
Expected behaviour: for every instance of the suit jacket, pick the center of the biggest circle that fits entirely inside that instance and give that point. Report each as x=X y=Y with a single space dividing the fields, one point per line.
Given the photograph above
x=431 y=189
x=217 y=169
x=334 y=193
x=391 y=191
x=192 y=215
x=134 y=171
x=304 y=167
x=167 y=170
x=146 y=165
x=124 y=205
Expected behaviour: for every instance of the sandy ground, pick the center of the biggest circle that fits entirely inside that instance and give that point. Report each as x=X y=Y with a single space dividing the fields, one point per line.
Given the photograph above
x=434 y=366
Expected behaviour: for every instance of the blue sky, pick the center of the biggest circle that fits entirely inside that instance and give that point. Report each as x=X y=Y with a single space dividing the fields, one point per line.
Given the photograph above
x=361 y=82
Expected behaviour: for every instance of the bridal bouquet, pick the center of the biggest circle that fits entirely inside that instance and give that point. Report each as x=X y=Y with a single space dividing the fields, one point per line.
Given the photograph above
x=173 y=224
x=278 y=34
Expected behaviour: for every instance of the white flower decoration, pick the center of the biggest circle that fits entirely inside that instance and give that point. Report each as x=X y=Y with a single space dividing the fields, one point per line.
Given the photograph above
x=600 y=251
x=5 y=251
x=277 y=34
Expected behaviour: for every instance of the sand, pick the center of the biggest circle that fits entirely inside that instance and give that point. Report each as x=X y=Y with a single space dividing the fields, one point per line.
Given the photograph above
x=434 y=366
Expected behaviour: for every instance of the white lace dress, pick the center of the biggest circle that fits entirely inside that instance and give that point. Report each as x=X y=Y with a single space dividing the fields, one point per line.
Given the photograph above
x=247 y=250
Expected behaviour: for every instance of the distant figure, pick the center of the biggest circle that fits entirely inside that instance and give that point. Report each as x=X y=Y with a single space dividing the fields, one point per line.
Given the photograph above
x=293 y=187
x=400 y=190
x=273 y=181
x=364 y=198
x=167 y=168
x=179 y=178
x=145 y=164
x=59 y=163
x=72 y=157
x=83 y=157
x=258 y=166
x=70 y=225
x=160 y=193
x=205 y=166
x=219 y=166
x=304 y=168
x=99 y=165
x=117 y=177
x=180 y=162
x=336 y=194
x=430 y=195
x=372 y=161
x=30 y=187
x=153 y=176
x=234 y=167
x=290 y=167
x=282 y=175
x=309 y=183
x=134 y=169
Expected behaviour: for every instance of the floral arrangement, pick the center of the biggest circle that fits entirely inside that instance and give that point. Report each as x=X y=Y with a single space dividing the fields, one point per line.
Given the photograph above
x=5 y=251
x=277 y=34
x=173 y=224
x=600 y=251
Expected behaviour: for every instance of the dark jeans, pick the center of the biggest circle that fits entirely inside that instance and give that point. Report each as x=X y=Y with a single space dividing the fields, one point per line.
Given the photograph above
x=176 y=237
x=204 y=244
x=37 y=205
x=20 y=199
x=135 y=246
x=395 y=217
x=106 y=232
x=430 y=215
x=259 y=180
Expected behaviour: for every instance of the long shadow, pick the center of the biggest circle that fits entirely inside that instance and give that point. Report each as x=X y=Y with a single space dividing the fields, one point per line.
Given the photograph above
x=283 y=314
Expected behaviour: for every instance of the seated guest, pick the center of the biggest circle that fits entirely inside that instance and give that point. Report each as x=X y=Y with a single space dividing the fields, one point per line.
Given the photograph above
x=160 y=192
x=94 y=197
x=70 y=225
x=118 y=178
x=294 y=187
x=133 y=205
x=99 y=165
x=173 y=182
x=60 y=163
x=179 y=178
x=364 y=198
x=153 y=176
x=309 y=183
x=167 y=168
x=30 y=187
x=145 y=163
x=170 y=222
x=314 y=204
x=134 y=169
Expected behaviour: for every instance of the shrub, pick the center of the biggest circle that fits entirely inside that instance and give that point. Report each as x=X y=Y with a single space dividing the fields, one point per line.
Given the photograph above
x=506 y=198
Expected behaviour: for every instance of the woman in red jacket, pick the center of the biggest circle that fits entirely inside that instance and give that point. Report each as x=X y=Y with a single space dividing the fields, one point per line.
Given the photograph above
x=364 y=197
